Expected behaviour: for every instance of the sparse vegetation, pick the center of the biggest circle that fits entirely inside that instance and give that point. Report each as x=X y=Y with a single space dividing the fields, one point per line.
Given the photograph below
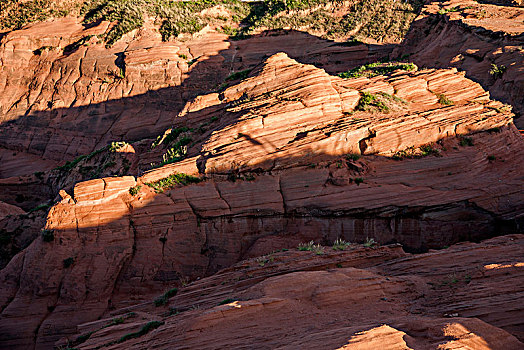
x=491 y=158
x=68 y=262
x=134 y=190
x=43 y=49
x=15 y=14
x=227 y=301
x=116 y=146
x=265 y=259
x=466 y=141
x=370 y=242
x=169 y=137
x=43 y=206
x=497 y=71
x=82 y=338
x=77 y=44
x=380 y=102
x=241 y=75
x=174 y=17
x=164 y=298
x=376 y=19
x=427 y=150
x=148 y=327
x=69 y=165
x=47 y=235
x=358 y=181
x=451 y=9
x=412 y=152
x=353 y=157
x=312 y=247
x=443 y=100
x=378 y=68
x=173 y=180
x=340 y=244
x=371 y=102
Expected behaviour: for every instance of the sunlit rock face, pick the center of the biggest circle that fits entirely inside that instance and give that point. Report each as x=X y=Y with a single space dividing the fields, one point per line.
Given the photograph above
x=285 y=132
x=238 y=236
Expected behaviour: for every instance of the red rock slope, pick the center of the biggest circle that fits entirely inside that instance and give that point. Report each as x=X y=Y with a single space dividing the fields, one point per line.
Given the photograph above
x=64 y=94
x=473 y=37
x=283 y=135
x=464 y=297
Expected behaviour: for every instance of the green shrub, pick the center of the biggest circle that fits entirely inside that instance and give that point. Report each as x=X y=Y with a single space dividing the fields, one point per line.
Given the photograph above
x=77 y=44
x=167 y=139
x=163 y=299
x=497 y=71
x=68 y=262
x=227 y=301
x=241 y=75
x=306 y=246
x=116 y=146
x=134 y=190
x=491 y=158
x=171 y=181
x=358 y=181
x=43 y=206
x=412 y=152
x=82 y=338
x=43 y=49
x=451 y=9
x=148 y=327
x=311 y=246
x=378 y=68
x=370 y=242
x=466 y=141
x=370 y=102
x=428 y=150
x=47 y=235
x=443 y=100
x=69 y=165
x=353 y=157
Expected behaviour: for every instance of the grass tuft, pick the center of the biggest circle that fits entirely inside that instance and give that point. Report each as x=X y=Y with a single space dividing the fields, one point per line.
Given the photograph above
x=340 y=244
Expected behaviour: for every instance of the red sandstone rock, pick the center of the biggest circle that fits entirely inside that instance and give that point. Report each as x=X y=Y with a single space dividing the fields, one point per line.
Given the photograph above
x=126 y=248
x=358 y=298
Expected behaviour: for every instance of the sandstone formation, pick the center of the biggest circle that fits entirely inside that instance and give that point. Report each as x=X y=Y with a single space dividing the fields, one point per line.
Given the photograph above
x=473 y=37
x=358 y=298
x=124 y=247
x=199 y=192
x=64 y=94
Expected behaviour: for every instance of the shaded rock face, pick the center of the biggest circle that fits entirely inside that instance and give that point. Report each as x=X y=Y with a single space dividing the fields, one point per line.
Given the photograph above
x=106 y=248
x=355 y=298
x=473 y=39
x=64 y=94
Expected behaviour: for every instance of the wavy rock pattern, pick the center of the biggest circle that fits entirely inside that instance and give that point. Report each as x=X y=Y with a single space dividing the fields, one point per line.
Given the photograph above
x=125 y=249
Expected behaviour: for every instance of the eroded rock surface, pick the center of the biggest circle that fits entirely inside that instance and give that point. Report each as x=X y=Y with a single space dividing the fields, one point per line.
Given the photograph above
x=359 y=298
x=294 y=182
x=484 y=40
x=65 y=94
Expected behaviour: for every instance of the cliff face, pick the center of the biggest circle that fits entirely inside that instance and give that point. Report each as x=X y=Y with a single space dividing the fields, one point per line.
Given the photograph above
x=303 y=299
x=283 y=135
x=483 y=40
x=236 y=153
x=65 y=94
